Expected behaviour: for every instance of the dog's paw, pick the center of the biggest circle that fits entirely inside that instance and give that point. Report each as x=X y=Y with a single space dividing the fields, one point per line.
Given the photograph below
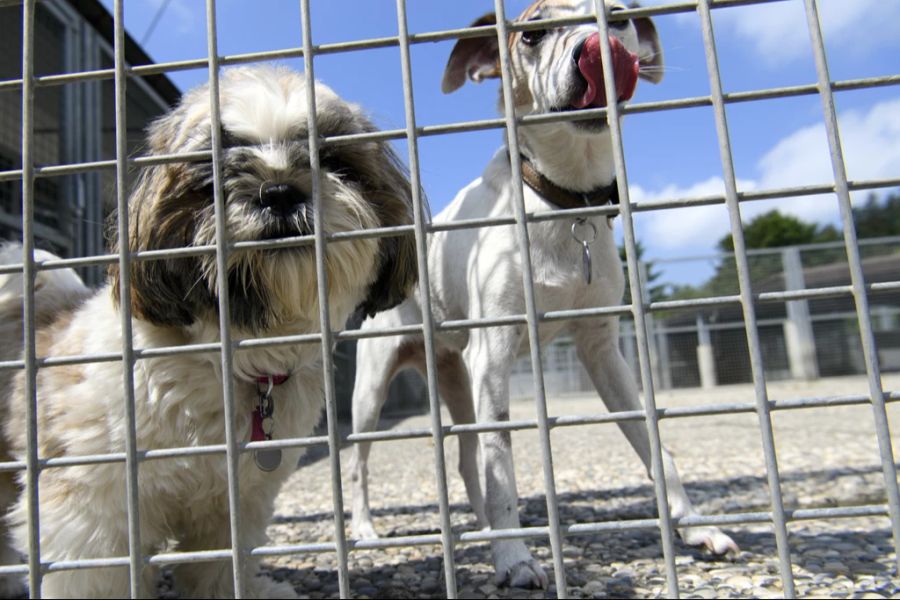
x=363 y=530
x=712 y=539
x=526 y=574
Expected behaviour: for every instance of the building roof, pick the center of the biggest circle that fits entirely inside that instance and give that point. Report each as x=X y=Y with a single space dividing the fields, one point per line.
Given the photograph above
x=96 y=14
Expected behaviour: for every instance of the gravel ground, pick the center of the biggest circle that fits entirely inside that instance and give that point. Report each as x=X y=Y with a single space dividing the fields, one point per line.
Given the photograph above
x=827 y=457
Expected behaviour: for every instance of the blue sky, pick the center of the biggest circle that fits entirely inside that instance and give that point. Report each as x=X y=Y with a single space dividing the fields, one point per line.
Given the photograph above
x=669 y=155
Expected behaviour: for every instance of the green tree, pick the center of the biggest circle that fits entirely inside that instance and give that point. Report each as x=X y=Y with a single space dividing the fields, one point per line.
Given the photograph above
x=775 y=230
x=657 y=291
x=770 y=230
x=878 y=219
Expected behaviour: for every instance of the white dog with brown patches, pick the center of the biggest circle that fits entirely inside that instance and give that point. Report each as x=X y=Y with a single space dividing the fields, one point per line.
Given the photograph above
x=477 y=274
x=178 y=399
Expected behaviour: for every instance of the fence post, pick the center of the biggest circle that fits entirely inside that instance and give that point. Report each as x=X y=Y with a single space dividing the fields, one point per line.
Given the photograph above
x=705 y=360
x=658 y=363
x=665 y=363
x=629 y=350
x=798 y=331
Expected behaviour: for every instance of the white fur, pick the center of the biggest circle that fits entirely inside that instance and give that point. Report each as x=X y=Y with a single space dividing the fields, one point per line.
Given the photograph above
x=477 y=274
x=178 y=400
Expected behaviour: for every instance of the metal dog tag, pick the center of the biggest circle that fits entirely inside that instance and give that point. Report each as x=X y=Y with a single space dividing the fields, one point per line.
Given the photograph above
x=585 y=240
x=586 y=262
x=263 y=424
x=268 y=460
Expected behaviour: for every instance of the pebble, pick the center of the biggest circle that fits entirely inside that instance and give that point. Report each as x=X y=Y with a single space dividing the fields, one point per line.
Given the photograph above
x=598 y=479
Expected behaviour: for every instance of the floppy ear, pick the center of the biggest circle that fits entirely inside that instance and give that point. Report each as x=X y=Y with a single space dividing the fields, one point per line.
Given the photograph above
x=397 y=270
x=166 y=292
x=476 y=58
x=650 y=52
x=163 y=210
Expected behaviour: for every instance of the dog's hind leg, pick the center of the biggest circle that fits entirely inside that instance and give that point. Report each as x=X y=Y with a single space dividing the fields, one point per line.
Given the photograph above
x=378 y=360
x=456 y=392
x=597 y=344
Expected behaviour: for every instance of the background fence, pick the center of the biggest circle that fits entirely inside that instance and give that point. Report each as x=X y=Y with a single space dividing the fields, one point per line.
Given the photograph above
x=743 y=332
x=801 y=340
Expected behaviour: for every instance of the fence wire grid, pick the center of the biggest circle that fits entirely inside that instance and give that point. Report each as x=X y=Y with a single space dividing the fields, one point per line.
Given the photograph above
x=30 y=175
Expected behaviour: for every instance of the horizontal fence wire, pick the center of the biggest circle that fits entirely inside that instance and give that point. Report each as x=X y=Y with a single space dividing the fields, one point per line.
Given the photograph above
x=469 y=537
x=459 y=325
x=453 y=430
x=778 y=515
x=488 y=124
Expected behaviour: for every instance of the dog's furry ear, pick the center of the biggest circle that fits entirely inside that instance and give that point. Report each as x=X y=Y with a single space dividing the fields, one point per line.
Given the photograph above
x=650 y=52
x=391 y=195
x=476 y=58
x=162 y=212
x=165 y=292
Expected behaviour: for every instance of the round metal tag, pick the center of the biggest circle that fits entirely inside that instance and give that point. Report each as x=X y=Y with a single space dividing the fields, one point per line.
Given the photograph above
x=268 y=460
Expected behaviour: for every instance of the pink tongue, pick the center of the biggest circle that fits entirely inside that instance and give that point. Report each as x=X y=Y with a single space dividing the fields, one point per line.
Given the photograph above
x=625 y=68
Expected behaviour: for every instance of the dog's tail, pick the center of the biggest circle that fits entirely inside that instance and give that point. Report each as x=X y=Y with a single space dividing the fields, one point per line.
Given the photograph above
x=55 y=291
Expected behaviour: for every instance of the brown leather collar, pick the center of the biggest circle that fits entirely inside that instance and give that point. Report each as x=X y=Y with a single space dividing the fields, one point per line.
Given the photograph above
x=563 y=198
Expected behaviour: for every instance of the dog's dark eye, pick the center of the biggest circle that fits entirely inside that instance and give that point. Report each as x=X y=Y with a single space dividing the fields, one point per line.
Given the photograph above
x=335 y=164
x=534 y=37
x=620 y=23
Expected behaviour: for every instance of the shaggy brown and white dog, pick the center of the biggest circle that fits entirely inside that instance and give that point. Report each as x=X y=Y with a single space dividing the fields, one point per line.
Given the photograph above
x=81 y=409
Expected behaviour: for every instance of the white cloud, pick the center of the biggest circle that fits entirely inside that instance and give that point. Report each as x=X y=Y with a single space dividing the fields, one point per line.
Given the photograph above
x=871 y=144
x=684 y=228
x=778 y=32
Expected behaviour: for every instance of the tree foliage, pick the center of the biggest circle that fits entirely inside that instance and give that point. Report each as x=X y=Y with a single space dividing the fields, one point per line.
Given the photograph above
x=878 y=219
x=656 y=291
x=775 y=230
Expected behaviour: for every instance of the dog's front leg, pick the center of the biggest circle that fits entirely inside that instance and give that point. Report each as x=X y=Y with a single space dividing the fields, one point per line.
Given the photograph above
x=490 y=356
x=208 y=530
x=597 y=345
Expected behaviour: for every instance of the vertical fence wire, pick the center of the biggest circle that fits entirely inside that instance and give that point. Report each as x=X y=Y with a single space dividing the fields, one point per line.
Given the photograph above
x=334 y=442
x=437 y=430
x=131 y=458
x=32 y=473
x=638 y=309
x=857 y=278
x=531 y=312
x=238 y=557
x=763 y=408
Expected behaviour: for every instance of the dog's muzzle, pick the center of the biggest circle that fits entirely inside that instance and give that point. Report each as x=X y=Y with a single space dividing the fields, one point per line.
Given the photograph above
x=586 y=55
x=282 y=199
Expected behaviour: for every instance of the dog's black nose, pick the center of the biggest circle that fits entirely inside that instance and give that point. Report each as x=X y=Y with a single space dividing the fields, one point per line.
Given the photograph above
x=280 y=197
x=576 y=52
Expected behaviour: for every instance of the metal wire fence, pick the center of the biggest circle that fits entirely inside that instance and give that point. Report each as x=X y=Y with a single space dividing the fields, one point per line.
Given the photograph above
x=747 y=298
x=705 y=347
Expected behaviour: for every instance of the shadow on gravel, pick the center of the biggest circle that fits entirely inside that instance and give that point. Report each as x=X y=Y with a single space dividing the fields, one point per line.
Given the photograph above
x=737 y=494
x=636 y=553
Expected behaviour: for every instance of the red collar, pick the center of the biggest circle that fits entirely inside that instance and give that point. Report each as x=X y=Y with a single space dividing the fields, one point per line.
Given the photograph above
x=265 y=384
x=276 y=378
